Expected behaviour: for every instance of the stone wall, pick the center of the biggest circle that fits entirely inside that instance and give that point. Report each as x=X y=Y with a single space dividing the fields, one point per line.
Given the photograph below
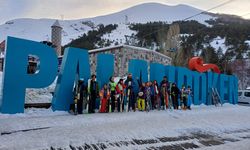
x=123 y=54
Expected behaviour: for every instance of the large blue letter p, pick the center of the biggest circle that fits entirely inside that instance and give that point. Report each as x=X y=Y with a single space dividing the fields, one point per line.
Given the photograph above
x=16 y=79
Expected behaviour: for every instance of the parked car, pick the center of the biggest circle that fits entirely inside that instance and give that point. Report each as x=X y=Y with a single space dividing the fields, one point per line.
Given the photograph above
x=244 y=96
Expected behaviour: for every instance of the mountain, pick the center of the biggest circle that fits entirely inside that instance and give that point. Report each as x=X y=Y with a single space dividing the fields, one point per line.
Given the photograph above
x=40 y=29
x=150 y=12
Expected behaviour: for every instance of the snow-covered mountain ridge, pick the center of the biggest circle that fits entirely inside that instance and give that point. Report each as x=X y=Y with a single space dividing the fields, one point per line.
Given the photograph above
x=40 y=29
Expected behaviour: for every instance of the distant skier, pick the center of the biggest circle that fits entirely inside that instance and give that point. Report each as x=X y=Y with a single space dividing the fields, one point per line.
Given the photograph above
x=104 y=97
x=93 y=91
x=130 y=86
x=120 y=89
x=174 y=95
x=112 y=86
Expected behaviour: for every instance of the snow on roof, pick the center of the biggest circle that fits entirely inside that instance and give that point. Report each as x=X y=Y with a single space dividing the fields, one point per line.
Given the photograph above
x=127 y=46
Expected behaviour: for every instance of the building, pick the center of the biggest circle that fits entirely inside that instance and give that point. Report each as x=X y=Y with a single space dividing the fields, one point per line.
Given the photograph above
x=124 y=53
x=2 y=46
x=2 y=49
x=56 y=37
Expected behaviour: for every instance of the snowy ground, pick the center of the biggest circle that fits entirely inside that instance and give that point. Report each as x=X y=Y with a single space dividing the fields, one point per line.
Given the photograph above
x=204 y=127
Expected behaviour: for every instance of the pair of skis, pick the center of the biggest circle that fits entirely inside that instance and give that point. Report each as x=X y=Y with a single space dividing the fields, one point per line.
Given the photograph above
x=148 y=106
x=168 y=100
x=128 y=99
x=121 y=102
x=121 y=98
x=76 y=97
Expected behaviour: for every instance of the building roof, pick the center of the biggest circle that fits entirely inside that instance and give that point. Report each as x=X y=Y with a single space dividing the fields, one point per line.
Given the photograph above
x=126 y=46
x=56 y=24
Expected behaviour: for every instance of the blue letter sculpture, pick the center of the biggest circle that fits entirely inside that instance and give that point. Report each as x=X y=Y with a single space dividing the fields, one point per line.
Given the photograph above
x=16 y=79
x=75 y=61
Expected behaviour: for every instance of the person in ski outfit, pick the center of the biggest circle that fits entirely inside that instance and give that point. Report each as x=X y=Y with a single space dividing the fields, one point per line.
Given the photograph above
x=120 y=89
x=170 y=102
x=112 y=86
x=78 y=97
x=93 y=91
x=141 y=98
x=162 y=94
x=148 y=96
x=82 y=91
x=152 y=95
x=174 y=95
x=189 y=100
x=156 y=94
x=184 y=97
x=104 y=96
x=130 y=87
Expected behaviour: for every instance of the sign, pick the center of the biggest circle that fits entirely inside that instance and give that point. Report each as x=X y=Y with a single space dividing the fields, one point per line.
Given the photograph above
x=76 y=63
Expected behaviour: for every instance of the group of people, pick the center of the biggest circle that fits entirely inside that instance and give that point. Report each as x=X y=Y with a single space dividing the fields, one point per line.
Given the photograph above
x=125 y=95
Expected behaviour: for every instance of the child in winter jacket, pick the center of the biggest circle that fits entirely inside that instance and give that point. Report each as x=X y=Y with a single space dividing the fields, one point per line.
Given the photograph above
x=104 y=96
x=120 y=90
x=156 y=95
x=141 y=98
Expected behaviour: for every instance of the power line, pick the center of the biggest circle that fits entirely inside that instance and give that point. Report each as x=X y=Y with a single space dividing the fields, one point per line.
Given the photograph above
x=220 y=5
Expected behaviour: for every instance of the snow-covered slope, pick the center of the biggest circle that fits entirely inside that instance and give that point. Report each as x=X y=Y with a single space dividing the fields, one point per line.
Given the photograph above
x=40 y=29
x=218 y=43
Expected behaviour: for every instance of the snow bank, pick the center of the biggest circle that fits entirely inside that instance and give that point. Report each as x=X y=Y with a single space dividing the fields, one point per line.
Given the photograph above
x=64 y=129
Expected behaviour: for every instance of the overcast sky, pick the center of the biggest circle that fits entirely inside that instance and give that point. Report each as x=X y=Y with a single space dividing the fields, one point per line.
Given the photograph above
x=75 y=9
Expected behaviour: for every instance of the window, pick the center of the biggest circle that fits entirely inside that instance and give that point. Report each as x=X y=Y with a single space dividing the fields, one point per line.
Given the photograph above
x=239 y=93
x=247 y=94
